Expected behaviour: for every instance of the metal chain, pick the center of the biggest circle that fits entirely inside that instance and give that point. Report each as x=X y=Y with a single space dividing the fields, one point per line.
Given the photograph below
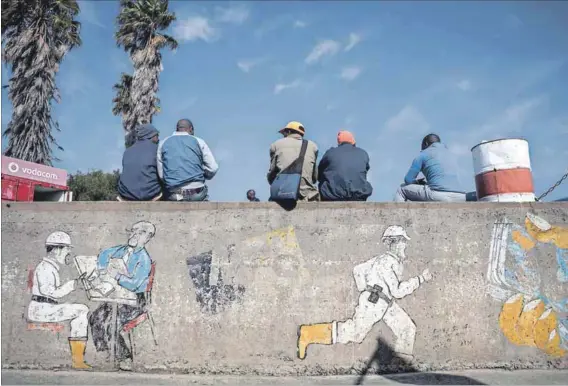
x=553 y=187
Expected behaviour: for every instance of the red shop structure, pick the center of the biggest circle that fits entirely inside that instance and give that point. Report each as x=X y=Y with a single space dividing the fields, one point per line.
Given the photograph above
x=28 y=181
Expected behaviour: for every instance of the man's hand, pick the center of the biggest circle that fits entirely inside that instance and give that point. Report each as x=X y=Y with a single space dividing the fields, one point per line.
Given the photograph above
x=426 y=275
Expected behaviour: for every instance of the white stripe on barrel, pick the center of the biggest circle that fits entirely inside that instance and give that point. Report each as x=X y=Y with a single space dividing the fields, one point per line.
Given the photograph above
x=503 y=171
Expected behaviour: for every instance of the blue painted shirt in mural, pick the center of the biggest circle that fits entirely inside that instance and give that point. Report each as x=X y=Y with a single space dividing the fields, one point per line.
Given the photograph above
x=138 y=266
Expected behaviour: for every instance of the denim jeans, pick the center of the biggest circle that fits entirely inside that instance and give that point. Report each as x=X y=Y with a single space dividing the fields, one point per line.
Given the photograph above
x=416 y=192
x=188 y=195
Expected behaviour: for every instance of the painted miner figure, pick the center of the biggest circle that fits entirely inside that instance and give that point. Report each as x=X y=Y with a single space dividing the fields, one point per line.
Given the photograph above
x=378 y=282
x=47 y=292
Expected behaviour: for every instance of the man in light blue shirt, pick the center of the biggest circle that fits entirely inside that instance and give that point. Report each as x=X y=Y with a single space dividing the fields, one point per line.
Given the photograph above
x=184 y=163
x=440 y=170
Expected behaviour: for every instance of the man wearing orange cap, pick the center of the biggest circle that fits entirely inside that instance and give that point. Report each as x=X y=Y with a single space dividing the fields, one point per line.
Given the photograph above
x=343 y=171
x=286 y=150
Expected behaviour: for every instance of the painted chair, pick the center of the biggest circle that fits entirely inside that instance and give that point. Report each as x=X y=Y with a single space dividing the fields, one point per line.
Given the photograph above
x=146 y=315
x=54 y=327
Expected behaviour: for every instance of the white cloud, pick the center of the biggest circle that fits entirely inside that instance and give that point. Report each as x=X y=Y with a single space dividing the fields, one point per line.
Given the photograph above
x=234 y=14
x=324 y=48
x=89 y=14
x=300 y=24
x=354 y=39
x=464 y=85
x=246 y=65
x=194 y=28
x=512 y=119
x=406 y=120
x=283 y=86
x=350 y=73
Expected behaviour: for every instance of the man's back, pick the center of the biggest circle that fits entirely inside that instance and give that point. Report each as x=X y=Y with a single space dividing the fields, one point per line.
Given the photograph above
x=285 y=151
x=343 y=173
x=439 y=167
x=139 y=177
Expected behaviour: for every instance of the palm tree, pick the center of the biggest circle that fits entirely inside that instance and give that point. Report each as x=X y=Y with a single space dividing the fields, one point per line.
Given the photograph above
x=140 y=23
x=123 y=107
x=37 y=34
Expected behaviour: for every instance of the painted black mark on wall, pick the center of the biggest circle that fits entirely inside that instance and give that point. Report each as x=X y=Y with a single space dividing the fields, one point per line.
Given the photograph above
x=212 y=298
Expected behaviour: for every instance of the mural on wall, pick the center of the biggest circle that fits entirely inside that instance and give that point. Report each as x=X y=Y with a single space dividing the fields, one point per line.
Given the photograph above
x=120 y=278
x=47 y=290
x=212 y=298
x=535 y=312
x=378 y=282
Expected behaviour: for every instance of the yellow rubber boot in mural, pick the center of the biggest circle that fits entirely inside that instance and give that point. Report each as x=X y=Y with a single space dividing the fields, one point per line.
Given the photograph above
x=78 y=346
x=313 y=334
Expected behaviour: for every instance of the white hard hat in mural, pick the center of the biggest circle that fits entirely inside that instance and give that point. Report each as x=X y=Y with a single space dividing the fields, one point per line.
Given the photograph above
x=58 y=239
x=395 y=231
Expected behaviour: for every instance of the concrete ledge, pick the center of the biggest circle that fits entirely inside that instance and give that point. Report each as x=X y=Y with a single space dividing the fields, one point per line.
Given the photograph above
x=169 y=206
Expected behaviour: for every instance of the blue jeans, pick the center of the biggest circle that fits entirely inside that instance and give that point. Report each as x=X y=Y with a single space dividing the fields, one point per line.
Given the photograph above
x=416 y=192
x=199 y=194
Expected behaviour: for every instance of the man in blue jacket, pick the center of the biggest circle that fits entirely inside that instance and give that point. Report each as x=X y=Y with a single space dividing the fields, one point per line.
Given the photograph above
x=440 y=169
x=184 y=163
x=343 y=171
x=139 y=178
x=138 y=267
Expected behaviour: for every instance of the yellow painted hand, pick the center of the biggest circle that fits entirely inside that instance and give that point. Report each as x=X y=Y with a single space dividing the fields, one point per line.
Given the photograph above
x=530 y=325
x=542 y=231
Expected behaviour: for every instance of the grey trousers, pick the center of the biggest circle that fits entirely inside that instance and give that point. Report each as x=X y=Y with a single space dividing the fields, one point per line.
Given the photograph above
x=415 y=192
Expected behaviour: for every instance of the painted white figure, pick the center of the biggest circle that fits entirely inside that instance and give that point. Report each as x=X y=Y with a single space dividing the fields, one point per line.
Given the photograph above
x=379 y=285
x=47 y=291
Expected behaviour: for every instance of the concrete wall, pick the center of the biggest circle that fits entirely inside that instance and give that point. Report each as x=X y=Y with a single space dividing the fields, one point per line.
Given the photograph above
x=273 y=271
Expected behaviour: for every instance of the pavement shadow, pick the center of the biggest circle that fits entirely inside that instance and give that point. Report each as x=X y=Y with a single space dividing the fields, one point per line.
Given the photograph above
x=389 y=364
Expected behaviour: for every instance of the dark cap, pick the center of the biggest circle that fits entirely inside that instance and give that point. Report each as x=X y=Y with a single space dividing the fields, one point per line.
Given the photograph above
x=184 y=124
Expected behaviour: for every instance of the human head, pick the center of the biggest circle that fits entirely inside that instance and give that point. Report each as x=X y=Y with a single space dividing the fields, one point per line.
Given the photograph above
x=395 y=239
x=293 y=127
x=251 y=194
x=140 y=234
x=429 y=140
x=147 y=131
x=58 y=246
x=185 y=125
x=345 y=136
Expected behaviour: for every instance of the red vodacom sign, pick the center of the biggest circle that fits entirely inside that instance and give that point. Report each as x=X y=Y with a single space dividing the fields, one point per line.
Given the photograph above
x=24 y=169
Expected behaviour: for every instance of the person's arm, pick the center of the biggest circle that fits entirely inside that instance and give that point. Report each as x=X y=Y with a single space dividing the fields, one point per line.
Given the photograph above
x=323 y=165
x=273 y=170
x=210 y=166
x=47 y=284
x=315 y=172
x=415 y=168
x=159 y=163
x=134 y=280
x=399 y=289
x=104 y=257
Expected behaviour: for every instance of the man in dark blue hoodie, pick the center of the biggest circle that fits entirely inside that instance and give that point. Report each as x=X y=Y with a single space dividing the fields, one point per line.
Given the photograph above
x=139 y=179
x=343 y=171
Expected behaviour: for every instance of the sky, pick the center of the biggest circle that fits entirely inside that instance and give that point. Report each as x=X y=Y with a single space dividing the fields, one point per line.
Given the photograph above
x=390 y=72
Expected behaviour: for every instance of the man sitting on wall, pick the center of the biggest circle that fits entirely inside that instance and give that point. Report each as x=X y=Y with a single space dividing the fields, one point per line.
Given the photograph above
x=343 y=171
x=184 y=163
x=139 y=178
x=436 y=164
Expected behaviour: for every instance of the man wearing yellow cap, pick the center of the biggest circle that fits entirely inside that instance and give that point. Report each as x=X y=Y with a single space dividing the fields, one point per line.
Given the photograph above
x=286 y=150
x=343 y=171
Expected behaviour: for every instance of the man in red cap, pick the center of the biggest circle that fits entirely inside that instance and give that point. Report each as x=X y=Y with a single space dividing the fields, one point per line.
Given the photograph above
x=343 y=171
x=286 y=150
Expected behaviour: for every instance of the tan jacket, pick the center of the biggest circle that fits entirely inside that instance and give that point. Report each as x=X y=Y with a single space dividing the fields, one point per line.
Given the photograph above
x=285 y=151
